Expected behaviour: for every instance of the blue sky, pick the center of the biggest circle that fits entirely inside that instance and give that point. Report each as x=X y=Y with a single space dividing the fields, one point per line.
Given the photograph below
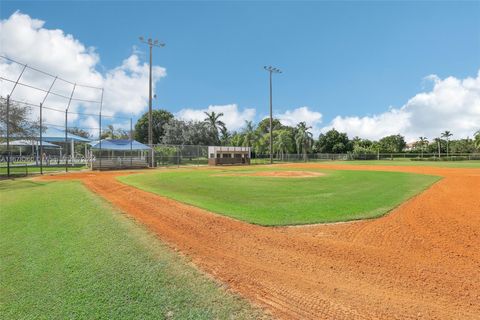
x=339 y=58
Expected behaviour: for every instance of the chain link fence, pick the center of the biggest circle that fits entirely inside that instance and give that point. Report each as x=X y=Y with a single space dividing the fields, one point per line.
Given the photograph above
x=180 y=155
x=195 y=155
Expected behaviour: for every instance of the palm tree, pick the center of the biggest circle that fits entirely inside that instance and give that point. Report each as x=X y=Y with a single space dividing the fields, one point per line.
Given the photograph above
x=477 y=140
x=303 y=139
x=225 y=136
x=249 y=136
x=438 y=141
x=423 y=143
x=447 y=135
x=109 y=133
x=213 y=122
x=283 y=143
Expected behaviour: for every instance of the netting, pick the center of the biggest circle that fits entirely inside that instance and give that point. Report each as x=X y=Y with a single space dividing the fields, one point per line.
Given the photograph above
x=49 y=123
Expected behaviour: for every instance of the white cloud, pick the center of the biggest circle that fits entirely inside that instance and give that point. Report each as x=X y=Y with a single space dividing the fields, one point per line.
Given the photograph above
x=372 y=127
x=233 y=117
x=293 y=117
x=126 y=87
x=28 y=41
x=452 y=104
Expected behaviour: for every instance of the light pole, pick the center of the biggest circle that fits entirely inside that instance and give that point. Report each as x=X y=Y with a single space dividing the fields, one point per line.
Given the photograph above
x=271 y=70
x=151 y=43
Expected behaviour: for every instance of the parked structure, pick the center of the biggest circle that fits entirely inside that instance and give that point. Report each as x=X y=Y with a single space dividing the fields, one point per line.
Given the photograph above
x=222 y=155
x=119 y=154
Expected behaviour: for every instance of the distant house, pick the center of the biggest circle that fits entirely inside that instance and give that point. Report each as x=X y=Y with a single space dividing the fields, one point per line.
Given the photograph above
x=410 y=146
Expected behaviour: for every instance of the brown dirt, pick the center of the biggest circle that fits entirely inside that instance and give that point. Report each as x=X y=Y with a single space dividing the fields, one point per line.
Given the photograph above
x=422 y=261
x=275 y=174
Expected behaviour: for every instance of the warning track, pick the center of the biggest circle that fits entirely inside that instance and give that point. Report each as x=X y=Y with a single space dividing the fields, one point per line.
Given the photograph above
x=419 y=262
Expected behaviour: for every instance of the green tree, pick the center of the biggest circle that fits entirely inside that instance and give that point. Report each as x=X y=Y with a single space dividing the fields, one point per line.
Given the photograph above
x=423 y=143
x=79 y=132
x=436 y=146
x=178 y=132
x=447 y=134
x=333 y=142
x=283 y=143
x=462 y=145
x=249 y=134
x=159 y=119
x=225 y=136
x=262 y=144
x=20 y=123
x=214 y=124
x=108 y=133
x=477 y=140
x=393 y=143
x=303 y=139
x=264 y=125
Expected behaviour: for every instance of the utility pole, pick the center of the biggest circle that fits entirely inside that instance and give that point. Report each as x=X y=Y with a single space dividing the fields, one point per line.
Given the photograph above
x=151 y=43
x=271 y=70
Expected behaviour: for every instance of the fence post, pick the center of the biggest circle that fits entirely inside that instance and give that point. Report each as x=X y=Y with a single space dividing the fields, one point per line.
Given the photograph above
x=8 y=135
x=66 y=142
x=41 y=138
x=131 y=143
x=100 y=132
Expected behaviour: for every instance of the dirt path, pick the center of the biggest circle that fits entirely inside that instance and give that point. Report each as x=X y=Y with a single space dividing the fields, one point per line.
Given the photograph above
x=422 y=261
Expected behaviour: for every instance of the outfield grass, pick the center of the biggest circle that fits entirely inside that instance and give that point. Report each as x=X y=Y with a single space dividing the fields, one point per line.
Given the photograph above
x=408 y=162
x=337 y=196
x=66 y=254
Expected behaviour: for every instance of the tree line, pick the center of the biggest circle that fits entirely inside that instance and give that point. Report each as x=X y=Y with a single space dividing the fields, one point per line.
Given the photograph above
x=286 y=139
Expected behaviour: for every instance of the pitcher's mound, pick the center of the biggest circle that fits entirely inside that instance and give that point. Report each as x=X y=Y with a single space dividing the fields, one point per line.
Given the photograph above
x=277 y=174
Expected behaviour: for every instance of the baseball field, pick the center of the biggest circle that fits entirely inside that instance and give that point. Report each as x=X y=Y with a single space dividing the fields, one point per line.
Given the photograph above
x=245 y=242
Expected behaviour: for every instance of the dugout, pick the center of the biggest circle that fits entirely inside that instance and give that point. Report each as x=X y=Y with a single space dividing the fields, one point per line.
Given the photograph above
x=223 y=155
x=111 y=154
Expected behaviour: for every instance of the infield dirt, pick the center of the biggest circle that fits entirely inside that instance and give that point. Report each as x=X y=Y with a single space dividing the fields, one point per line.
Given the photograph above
x=421 y=261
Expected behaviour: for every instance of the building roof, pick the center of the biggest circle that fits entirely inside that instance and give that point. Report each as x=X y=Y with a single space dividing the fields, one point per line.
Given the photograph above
x=119 y=145
x=57 y=135
x=29 y=143
x=228 y=149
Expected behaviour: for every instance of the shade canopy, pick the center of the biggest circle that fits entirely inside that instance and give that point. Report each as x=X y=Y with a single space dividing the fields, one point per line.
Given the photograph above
x=57 y=135
x=119 y=145
x=29 y=143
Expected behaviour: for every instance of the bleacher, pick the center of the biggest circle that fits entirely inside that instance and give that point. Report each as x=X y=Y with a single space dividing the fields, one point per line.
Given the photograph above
x=119 y=163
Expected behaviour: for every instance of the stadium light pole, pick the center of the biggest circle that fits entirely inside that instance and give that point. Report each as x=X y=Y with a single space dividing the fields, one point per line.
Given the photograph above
x=271 y=70
x=151 y=43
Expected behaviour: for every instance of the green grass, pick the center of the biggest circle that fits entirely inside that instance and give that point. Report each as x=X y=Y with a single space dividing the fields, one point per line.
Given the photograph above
x=337 y=196
x=22 y=169
x=66 y=254
x=394 y=162
x=408 y=162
